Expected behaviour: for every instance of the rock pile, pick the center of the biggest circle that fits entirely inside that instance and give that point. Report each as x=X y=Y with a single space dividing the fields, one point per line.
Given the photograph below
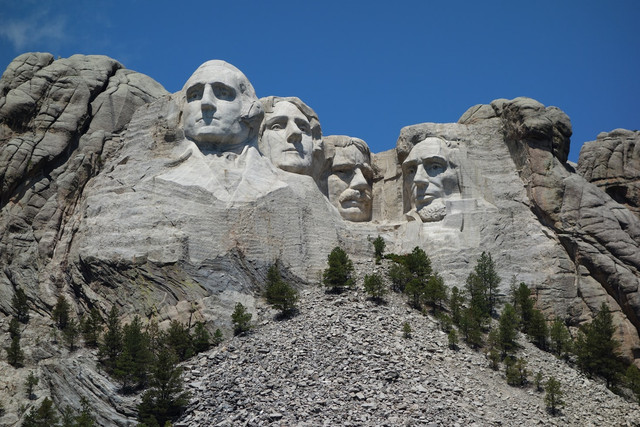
x=343 y=361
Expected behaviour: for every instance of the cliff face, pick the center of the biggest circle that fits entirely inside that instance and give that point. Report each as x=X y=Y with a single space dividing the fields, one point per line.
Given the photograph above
x=103 y=200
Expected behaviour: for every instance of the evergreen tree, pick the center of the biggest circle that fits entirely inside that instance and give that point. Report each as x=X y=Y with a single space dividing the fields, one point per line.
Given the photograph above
x=70 y=334
x=111 y=341
x=178 y=338
x=553 y=397
x=632 y=379
x=15 y=355
x=90 y=327
x=14 y=328
x=280 y=294
x=132 y=363
x=241 y=319
x=339 y=273
x=507 y=330
x=20 y=305
x=378 y=246
x=201 y=338
x=84 y=418
x=453 y=339
x=44 y=416
x=516 y=371
x=435 y=292
x=415 y=290
x=399 y=275
x=30 y=383
x=166 y=399
x=419 y=264
x=406 y=330
x=455 y=305
x=482 y=286
x=374 y=286
x=537 y=329
x=597 y=349
x=217 y=337
x=523 y=305
x=538 y=381
x=560 y=338
x=60 y=312
x=471 y=327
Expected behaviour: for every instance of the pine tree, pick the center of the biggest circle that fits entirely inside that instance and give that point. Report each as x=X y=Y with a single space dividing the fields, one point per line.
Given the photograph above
x=435 y=292
x=399 y=276
x=374 y=286
x=339 y=273
x=70 y=334
x=523 y=304
x=111 y=341
x=166 y=399
x=60 y=312
x=597 y=349
x=507 y=330
x=560 y=338
x=132 y=363
x=15 y=355
x=217 y=337
x=406 y=330
x=482 y=286
x=471 y=326
x=90 y=326
x=455 y=305
x=201 y=338
x=419 y=264
x=30 y=383
x=632 y=380
x=378 y=246
x=20 y=305
x=280 y=294
x=44 y=416
x=537 y=329
x=241 y=319
x=178 y=338
x=553 y=397
x=453 y=339
x=516 y=371
x=415 y=290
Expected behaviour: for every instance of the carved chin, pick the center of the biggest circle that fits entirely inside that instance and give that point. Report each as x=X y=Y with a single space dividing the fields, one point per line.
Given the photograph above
x=355 y=213
x=434 y=211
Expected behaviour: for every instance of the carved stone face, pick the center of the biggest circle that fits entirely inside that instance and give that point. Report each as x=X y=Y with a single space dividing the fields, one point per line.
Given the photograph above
x=287 y=139
x=349 y=185
x=429 y=179
x=214 y=106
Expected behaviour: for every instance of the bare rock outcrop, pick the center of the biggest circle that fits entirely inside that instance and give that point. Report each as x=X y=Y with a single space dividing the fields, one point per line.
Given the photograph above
x=612 y=162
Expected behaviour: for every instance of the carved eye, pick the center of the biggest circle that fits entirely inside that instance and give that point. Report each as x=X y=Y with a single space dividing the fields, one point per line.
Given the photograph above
x=194 y=93
x=224 y=92
x=304 y=127
x=276 y=126
x=435 y=168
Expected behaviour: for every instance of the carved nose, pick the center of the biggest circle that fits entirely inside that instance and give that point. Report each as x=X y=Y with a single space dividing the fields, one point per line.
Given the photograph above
x=293 y=133
x=208 y=101
x=421 y=176
x=358 y=182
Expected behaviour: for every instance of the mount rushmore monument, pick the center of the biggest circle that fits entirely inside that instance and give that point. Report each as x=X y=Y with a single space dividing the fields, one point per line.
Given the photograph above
x=115 y=192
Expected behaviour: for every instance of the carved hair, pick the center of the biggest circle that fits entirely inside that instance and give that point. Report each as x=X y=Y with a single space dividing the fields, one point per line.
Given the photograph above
x=342 y=141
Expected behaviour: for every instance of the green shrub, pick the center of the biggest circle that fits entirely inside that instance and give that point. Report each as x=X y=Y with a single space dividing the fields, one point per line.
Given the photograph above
x=280 y=294
x=374 y=286
x=241 y=319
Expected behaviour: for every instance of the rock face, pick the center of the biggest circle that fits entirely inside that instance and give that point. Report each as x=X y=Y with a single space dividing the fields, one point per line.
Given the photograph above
x=612 y=162
x=115 y=192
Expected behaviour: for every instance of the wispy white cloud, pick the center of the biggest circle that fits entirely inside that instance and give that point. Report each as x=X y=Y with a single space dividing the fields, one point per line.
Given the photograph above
x=37 y=29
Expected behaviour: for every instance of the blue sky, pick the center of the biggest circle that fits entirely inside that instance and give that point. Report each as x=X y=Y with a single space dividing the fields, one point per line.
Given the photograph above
x=367 y=68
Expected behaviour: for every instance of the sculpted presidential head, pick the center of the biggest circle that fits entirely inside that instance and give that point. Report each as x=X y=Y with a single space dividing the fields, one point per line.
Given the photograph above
x=290 y=134
x=220 y=109
x=350 y=177
x=429 y=179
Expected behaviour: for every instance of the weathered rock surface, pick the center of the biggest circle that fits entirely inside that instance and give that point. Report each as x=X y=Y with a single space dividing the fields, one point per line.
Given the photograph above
x=104 y=200
x=612 y=162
